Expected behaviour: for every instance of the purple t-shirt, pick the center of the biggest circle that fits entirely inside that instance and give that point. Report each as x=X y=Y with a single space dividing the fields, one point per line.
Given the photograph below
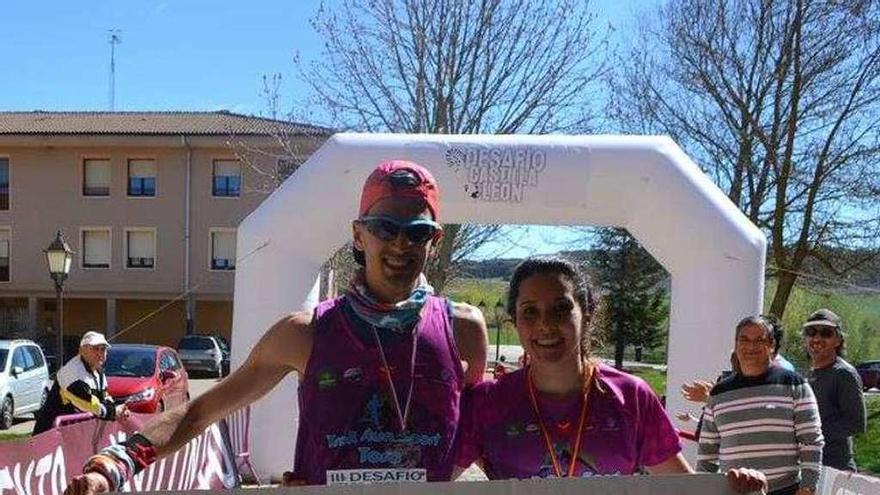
x=626 y=428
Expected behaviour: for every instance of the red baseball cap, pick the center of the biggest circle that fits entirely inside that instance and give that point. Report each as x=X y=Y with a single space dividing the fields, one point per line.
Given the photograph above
x=390 y=180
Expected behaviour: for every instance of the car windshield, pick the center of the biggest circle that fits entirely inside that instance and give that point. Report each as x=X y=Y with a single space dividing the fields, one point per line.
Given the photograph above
x=3 y=354
x=130 y=362
x=196 y=344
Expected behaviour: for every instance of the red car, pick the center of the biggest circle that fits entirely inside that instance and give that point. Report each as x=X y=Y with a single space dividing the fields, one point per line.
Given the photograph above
x=870 y=373
x=148 y=378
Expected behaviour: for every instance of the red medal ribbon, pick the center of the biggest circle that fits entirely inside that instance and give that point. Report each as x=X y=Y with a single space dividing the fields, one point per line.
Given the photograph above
x=588 y=381
x=402 y=413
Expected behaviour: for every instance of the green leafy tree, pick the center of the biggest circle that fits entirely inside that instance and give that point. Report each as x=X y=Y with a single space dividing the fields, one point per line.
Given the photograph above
x=633 y=288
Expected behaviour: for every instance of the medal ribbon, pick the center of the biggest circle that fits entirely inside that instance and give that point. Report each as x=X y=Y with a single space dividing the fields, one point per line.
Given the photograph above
x=402 y=416
x=588 y=380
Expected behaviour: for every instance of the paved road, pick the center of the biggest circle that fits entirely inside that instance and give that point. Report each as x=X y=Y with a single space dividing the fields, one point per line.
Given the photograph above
x=196 y=388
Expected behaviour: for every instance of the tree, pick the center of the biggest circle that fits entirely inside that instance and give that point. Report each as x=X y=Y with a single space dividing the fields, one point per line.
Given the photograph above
x=455 y=67
x=779 y=103
x=633 y=292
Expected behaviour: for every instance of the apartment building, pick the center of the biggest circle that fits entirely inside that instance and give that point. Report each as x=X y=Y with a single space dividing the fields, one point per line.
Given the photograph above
x=149 y=203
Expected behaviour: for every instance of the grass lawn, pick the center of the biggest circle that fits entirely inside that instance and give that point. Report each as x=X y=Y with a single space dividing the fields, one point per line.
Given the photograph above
x=655 y=378
x=13 y=436
x=868 y=445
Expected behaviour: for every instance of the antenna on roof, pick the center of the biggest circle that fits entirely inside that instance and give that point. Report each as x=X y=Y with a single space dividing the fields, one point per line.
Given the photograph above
x=113 y=39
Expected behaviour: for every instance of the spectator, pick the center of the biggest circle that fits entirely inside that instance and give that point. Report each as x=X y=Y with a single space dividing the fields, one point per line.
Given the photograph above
x=778 y=334
x=763 y=417
x=838 y=388
x=80 y=386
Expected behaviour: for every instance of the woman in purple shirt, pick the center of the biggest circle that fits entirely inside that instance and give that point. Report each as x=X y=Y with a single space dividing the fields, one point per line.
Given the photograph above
x=566 y=414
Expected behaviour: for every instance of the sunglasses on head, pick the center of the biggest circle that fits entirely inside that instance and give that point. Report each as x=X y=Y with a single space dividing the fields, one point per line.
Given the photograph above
x=418 y=231
x=824 y=332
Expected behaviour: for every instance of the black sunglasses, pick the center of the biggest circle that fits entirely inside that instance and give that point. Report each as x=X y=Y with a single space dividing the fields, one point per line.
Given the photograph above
x=418 y=231
x=824 y=332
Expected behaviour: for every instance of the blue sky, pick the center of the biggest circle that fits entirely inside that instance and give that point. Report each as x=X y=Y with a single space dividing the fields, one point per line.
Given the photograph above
x=187 y=55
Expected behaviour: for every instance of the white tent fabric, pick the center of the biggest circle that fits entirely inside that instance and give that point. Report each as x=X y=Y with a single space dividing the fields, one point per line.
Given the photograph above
x=645 y=184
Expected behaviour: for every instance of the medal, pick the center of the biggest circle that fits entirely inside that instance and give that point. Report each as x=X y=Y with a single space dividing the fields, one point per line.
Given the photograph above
x=401 y=412
x=563 y=425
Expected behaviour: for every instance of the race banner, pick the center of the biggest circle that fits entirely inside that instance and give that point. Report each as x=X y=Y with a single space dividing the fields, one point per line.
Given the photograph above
x=43 y=464
x=834 y=482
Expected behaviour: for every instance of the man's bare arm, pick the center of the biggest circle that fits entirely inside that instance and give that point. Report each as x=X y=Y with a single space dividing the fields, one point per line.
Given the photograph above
x=471 y=338
x=284 y=348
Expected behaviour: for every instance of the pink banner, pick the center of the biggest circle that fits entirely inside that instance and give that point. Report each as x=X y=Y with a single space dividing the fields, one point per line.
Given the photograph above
x=43 y=464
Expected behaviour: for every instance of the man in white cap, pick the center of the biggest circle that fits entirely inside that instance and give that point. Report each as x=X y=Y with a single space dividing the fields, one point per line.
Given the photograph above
x=80 y=386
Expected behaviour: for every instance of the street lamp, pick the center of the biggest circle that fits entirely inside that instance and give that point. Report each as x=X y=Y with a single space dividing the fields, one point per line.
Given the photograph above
x=500 y=315
x=58 y=257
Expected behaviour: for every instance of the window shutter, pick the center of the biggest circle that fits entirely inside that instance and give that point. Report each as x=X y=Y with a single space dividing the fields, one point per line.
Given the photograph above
x=224 y=246
x=142 y=168
x=140 y=244
x=227 y=168
x=4 y=243
x=96 y=247
x=97 y=173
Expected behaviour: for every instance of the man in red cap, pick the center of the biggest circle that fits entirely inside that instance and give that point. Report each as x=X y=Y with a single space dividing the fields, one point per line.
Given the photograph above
x=381 y=368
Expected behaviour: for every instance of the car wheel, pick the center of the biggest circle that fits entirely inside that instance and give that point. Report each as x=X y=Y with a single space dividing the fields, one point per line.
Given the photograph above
x=218 y=373
x=44 y=397
x=6 y=413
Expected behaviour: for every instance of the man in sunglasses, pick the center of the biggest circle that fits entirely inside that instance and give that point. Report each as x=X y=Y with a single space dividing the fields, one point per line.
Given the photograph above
x=381 y=368
x=837 y=386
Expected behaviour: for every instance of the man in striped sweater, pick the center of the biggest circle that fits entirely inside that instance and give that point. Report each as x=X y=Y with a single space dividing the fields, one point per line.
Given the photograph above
x=763 y=418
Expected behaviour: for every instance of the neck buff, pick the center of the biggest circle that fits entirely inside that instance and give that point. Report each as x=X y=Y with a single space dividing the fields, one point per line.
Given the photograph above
x=397 y=316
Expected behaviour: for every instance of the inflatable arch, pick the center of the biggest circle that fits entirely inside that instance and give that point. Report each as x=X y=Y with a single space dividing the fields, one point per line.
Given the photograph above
x=645 y=184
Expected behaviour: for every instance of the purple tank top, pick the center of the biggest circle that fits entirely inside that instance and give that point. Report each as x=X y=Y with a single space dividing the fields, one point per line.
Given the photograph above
x=347 y=414
x=626 y=428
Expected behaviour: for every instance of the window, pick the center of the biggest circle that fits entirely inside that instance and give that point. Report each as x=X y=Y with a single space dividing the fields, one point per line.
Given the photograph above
x=164 y=362
x=4 y=183
x=175 y=363
x=96 y=178
x=223 y=250
x=227 y=178
x=142 y=178
x=23 y=359
x=36 y=355
x=95 y=248
x=140 y=248
x=5 y=238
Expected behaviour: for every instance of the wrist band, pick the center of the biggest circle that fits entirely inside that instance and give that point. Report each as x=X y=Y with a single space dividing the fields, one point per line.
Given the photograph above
x=121 y=461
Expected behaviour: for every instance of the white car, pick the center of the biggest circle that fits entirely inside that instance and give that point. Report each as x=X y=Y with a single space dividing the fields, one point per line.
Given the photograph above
x=24 y=380
x=207 y=353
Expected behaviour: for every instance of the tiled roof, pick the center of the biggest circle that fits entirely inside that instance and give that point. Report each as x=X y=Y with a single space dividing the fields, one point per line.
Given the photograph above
x=221 y=123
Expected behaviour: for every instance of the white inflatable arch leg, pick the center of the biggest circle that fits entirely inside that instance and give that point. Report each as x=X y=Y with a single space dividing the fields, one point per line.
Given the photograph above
x=645 y=184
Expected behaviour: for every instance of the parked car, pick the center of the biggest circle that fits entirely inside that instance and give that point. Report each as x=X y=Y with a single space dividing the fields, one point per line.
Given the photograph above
x=148 y=378
x=48 y=343
x=208 y=353
x=870 y=373
x=24 y=379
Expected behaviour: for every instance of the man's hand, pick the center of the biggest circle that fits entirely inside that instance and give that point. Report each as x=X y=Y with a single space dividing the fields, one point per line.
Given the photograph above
x=122 y=413
x=805 y=491
x=88 y=484
x=745 y=480
x=696 y=391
